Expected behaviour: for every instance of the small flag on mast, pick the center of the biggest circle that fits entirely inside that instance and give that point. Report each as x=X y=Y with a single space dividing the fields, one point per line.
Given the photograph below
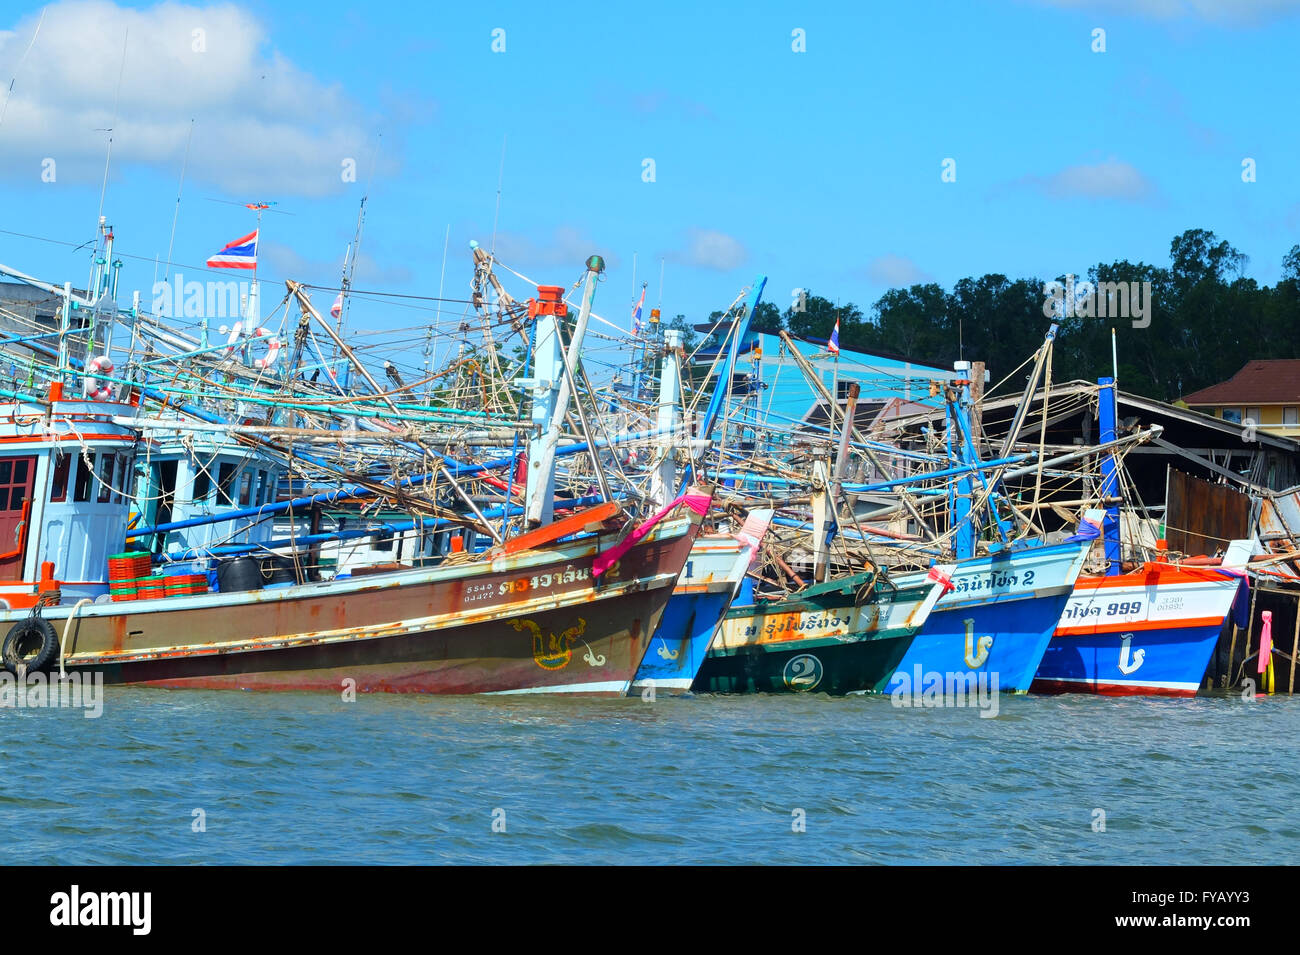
x=833 y=346
x=636 y=312
x=240 y=254
x=337 y=308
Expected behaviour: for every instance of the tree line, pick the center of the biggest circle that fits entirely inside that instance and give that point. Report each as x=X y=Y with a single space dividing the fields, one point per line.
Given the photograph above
x=1206 y=320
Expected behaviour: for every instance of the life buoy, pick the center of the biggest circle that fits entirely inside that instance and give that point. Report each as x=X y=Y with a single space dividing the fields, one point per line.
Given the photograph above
x=95 y=389
x=263 y=334
x=272 y=348
x=235 y=333
x=31 y=642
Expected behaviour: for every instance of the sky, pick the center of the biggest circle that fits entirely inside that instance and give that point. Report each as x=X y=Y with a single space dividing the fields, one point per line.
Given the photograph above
x=717 y=142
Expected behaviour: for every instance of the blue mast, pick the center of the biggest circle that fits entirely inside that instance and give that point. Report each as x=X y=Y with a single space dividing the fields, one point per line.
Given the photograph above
x=1109 y=474
x=723 y=385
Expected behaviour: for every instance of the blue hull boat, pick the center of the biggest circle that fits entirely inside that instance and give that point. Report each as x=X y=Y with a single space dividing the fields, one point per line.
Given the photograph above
x=704 y=591
x=997 y=619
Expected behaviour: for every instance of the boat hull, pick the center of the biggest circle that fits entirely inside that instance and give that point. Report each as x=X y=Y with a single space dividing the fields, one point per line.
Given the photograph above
x=681 y=642
x=1150 y=633
x=535 y=622
x=704 y=591
x=831 y=646
x=999 y=617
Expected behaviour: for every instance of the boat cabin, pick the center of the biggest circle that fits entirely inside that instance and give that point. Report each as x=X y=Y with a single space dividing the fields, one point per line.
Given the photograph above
x=65 y=496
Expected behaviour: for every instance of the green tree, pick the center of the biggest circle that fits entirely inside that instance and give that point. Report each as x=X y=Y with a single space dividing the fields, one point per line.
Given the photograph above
x=767 y=318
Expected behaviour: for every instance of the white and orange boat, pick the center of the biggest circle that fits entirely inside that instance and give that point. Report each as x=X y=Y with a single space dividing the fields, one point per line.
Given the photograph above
x=1150 y=631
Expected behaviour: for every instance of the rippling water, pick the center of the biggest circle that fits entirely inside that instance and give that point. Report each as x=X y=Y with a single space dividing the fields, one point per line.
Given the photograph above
x=307 y=778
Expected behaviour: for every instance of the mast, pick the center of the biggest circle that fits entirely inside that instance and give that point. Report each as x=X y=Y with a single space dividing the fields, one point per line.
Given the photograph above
x=1109 y=474
x=722 y=387
x=551 y=392
x=664 y=478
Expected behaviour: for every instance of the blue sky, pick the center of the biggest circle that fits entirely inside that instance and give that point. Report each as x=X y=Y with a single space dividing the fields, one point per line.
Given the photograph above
x=821 y=169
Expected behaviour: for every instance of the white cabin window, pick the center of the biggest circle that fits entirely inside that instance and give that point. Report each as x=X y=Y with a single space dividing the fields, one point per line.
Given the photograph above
x=202 y=486
x=225 y=481
x=105 y=478
x=59 y=482
x=123 y=482
x=85 y=474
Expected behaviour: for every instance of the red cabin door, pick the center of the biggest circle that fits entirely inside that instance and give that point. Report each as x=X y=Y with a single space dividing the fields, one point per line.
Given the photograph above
x=16 y=478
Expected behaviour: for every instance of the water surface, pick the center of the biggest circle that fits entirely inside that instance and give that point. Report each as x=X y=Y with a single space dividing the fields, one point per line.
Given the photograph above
x=309 y=778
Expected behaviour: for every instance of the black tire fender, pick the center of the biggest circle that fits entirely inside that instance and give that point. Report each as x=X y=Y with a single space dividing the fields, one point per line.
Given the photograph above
x=33 y=633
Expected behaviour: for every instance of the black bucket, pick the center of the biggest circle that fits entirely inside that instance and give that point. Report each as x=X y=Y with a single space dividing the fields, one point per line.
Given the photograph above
x=239 y=574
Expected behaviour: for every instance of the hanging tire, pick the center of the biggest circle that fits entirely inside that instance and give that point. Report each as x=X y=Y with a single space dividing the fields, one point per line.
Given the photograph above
x=31 y=642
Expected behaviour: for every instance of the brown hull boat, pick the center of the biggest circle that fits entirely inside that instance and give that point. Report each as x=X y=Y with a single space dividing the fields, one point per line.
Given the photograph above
x=535 y=621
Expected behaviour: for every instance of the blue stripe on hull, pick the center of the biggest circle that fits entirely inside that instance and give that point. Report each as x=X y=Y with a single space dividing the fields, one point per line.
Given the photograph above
x=685 y=632
x=1021 y=631
x=1166 y=660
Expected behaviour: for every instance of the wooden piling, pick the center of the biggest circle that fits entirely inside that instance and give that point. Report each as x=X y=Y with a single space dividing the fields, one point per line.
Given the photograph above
x=1250 y=624
x=1295 y=645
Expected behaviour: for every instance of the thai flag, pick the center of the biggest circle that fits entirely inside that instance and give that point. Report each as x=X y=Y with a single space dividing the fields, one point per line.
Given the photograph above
x=337 y=308
x=833 y=346
x=240 y=254
x=636 y=313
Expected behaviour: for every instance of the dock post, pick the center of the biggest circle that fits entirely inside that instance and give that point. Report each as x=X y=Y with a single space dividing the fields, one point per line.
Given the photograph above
x=1295 y=645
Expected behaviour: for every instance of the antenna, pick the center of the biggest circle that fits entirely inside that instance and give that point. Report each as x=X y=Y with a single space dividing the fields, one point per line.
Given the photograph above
x=177 y=212
x=437 y=319
x=501 y=175
x=116 y=100
x=35 y=33
x=350 y=264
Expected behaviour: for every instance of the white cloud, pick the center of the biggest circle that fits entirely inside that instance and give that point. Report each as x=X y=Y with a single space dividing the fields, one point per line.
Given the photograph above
x=1213 y=11
x=566 y=248
x=1111 y=179
x=261 y=124
x=710 y=249
x=282 y=261
x=896 y=271
x=657 y=100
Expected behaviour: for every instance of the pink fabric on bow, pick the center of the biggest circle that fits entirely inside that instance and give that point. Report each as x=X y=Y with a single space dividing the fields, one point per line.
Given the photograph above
x=699 y=503
x=1265 y=641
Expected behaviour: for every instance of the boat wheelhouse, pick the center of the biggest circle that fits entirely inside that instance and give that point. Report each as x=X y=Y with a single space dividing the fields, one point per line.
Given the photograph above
x=65 y=477
x=186 y=485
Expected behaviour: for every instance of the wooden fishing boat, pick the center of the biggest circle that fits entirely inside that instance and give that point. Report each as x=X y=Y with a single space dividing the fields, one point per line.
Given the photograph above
x=534 y=615
x=999 y=615
x=843 y=636
x=1149 y=632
